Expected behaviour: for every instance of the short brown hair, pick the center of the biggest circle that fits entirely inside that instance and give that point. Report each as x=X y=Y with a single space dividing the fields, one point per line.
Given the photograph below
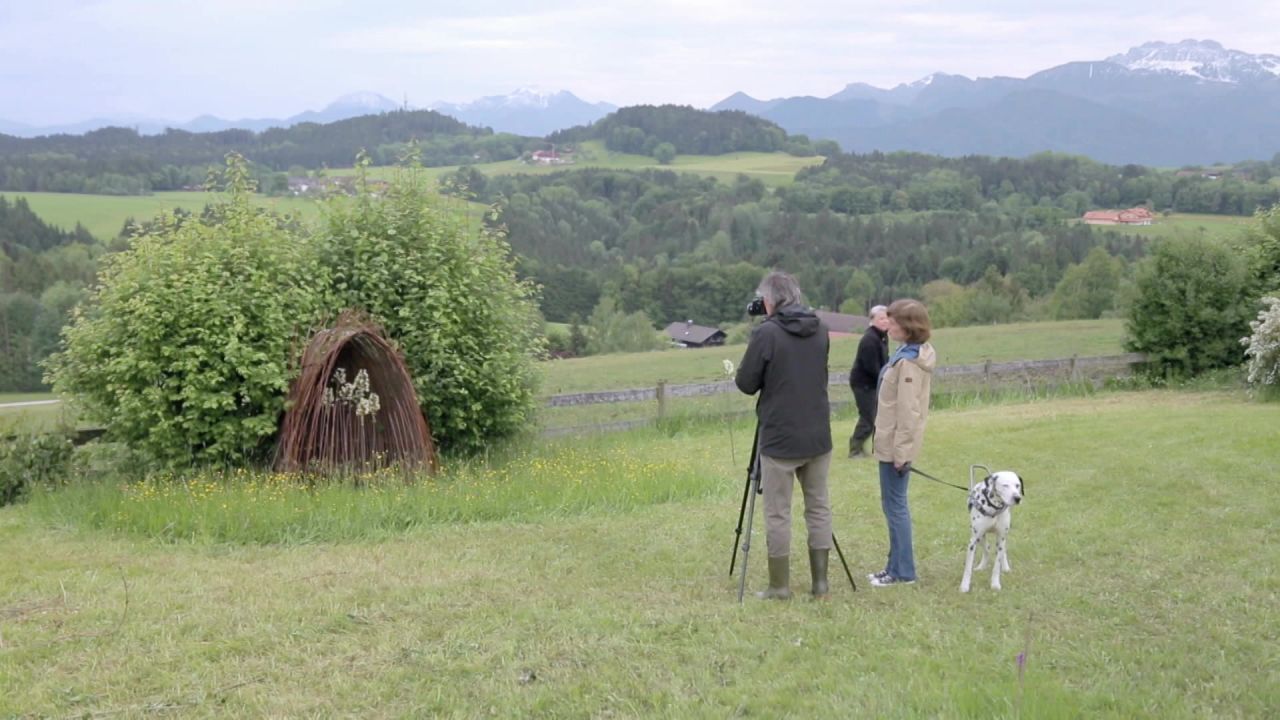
x=913 y=318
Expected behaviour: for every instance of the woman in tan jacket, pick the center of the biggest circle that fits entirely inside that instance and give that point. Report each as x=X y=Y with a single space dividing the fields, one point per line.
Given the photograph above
x=901 y=410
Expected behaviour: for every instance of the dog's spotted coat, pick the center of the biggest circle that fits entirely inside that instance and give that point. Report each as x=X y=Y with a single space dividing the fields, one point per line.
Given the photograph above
x=990 y=507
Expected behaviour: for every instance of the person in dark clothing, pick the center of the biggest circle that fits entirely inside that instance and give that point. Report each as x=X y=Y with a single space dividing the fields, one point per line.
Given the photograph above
x=873 y=353
x=786 y=363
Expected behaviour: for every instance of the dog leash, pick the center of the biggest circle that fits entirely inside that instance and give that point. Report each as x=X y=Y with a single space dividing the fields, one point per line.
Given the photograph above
x=922 y=473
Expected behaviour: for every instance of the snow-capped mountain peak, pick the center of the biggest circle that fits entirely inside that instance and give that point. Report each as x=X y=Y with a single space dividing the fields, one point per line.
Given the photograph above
x=365 y=100
x=1200 y=59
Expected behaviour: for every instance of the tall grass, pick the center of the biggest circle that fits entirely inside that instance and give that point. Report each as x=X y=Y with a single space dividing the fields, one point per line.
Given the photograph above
x=249 y=506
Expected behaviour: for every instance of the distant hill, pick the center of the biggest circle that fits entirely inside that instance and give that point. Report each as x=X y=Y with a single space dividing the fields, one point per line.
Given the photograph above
x=120 y=161
x=1163 y=104
x=640 y=129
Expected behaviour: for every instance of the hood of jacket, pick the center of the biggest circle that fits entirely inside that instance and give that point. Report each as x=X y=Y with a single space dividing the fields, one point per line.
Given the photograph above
x=922 y=355
x=797 y=320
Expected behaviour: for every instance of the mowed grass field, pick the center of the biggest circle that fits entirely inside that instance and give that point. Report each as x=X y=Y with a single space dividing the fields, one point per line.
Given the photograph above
x=1143 y=585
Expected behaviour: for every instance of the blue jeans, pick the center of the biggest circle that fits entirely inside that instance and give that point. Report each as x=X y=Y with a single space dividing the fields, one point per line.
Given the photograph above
x=893 y=499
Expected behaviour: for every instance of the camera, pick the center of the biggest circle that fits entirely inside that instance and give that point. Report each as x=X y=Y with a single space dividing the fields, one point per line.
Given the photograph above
x=756 y=306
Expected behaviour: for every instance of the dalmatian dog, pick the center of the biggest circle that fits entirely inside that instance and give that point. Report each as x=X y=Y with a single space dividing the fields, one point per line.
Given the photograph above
x=990 y=507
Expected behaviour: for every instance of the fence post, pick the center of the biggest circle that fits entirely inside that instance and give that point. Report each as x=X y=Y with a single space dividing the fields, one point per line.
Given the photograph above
x=986 y=374
x=1072 y=373
x=662 y=399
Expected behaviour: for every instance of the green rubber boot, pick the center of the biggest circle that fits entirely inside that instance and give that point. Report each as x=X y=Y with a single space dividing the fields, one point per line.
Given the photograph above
x=779 y=579
x=818 y=569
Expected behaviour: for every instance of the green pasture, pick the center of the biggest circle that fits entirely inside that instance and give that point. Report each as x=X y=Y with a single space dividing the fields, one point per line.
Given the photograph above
x=1213 y=226
x=105 y=215
x=773 y=169
x=1143 y=584
x=955 y=346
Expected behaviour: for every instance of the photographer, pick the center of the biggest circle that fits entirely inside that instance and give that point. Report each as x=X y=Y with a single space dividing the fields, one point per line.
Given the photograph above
x=786 y=362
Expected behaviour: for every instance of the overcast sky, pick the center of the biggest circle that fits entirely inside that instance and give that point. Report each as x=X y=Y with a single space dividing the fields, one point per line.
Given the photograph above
x=68 y=60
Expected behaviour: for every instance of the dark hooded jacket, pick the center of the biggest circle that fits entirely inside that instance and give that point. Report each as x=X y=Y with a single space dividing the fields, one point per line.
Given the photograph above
x=786 y=362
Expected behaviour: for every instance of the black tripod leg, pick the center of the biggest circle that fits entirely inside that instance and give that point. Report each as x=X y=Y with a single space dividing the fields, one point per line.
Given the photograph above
x=737 y=534
x=746 y=546
x=742 y=511
x=840 y=553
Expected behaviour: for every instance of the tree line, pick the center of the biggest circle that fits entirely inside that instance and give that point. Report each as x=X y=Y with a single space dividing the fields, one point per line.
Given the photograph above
x=680 y=246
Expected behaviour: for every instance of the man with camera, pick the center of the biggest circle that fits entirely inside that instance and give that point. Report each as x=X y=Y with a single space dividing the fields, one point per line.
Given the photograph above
x=786 y=362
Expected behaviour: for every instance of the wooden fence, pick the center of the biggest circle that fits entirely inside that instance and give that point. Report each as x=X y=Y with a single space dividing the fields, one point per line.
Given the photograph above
x=988 y=375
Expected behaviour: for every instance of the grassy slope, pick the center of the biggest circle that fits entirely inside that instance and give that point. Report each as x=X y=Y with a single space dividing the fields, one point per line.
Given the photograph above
x=1143 y=579
x=104 y=215
x=772 y=168
x=1214 y=226
x=956 y=346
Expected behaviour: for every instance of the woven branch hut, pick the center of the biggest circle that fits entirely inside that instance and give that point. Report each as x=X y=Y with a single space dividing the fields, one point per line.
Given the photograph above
x=353 y=406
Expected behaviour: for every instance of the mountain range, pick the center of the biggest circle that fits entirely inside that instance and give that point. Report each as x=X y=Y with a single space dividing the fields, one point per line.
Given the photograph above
x=526 y=112
x=1163 y=104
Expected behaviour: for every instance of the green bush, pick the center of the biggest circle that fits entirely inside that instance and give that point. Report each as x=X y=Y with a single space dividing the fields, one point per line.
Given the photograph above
x=184 y=349
x=1191 y=307
x=448 y=295
x=31 y=460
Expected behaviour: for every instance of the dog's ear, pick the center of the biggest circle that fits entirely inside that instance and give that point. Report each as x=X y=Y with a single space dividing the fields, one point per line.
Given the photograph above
x=988 y=481
x=1021 y=484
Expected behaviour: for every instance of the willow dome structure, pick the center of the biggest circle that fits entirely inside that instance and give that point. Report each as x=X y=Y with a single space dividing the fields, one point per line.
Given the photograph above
x=353 y=407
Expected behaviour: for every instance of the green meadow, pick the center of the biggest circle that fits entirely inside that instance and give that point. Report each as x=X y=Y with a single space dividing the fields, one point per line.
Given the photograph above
x=1213 y=226
x=588 y=578
x=773 y=169
x=104 y=215
x=955 y=346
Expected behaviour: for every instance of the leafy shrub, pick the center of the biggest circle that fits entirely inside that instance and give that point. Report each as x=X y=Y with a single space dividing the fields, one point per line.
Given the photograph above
x=447 y=293
x=1262 y=347
x=1191 y=305
x=612 y=330
x=183 y=350
x=29 y=460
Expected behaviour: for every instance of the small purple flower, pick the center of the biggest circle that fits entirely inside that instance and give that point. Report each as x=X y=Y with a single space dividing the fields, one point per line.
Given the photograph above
x=1022 y=661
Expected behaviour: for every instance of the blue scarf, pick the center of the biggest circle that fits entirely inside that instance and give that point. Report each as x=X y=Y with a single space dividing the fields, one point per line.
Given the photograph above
x=906 y=351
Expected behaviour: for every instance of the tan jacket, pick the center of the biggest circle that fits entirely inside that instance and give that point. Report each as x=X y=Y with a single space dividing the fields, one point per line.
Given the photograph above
x=903 y=407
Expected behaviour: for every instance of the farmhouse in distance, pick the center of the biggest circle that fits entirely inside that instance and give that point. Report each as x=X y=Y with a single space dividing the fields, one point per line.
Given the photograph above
x=688 y=335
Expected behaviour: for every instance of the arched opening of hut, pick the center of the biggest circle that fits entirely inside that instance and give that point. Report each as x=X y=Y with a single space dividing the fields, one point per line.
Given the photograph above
x=353 y=407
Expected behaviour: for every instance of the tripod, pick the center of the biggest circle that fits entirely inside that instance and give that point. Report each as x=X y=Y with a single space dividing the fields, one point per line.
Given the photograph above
x=753 y=483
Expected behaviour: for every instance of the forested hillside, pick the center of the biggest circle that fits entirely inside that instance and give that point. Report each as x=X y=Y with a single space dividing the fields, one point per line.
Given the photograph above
x=997 y=236
x=43 y=273
x=643 y=128
x=119 y=161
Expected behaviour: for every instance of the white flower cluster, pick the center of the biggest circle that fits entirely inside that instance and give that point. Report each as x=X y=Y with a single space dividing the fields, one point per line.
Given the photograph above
x=355 y=393
x=1263 y=347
